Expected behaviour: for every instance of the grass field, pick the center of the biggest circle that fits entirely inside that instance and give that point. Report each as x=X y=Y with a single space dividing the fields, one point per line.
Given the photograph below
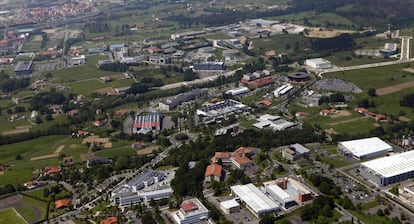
x=32 y=210
x=317 y=19
x=10 y=216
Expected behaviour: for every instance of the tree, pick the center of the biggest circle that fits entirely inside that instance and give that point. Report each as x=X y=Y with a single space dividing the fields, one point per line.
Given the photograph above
x=287 y=46
x=380 y=212
x=372 y=92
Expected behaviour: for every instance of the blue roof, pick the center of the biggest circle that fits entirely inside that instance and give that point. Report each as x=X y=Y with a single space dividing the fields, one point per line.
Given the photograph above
x=117 y=45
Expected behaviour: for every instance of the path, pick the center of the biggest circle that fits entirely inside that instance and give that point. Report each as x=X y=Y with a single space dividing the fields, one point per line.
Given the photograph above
x=394 y=88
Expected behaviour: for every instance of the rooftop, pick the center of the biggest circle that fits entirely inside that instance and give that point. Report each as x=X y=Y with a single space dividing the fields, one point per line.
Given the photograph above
x=62 y=203
x=229 y=204
x=213 y=169
x=392 y=165
x=366 y=146
x=254 y=198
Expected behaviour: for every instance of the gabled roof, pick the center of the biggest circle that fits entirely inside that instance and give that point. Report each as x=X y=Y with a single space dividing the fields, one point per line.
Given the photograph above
x=110 y=220
x=241 y=160
x=242 y=151
x=62 y=203
x=213 y=169
x=52 y=169
x=265 y=102
x=221 y=155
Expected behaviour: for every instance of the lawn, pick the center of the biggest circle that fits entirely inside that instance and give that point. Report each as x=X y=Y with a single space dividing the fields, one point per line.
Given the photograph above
x=32 y=210
x=390 y=104
x=10 y=216
x=357 y=127
x=278 y=43
x=377 y=77
x=370 y=219
x=318 y=19
x=115 y=152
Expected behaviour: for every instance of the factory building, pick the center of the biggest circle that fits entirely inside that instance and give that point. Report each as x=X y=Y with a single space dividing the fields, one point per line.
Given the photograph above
x=175 y=101
x=237 y=91
x=146 y=123
x=23 y=68
x=388 y=170
x=318 y=63
x=364 y=148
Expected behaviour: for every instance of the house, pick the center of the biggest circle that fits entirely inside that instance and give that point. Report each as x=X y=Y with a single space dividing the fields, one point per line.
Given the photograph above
x=242 y=152
x=242 y=162
x=154 y=50
x=73 y=112
x=301 y=114
x=62 y=203
x=52 y=169
x=213 y=172
x=121 y=112
x=265 y=102
x=361 y=110
x=380 y=117
x=30 y=185
x=67 y=160
x=138 y=145
x=223 y=156
x=327 y=112
x=294 y=152
x=110 y=220
x=56 y=108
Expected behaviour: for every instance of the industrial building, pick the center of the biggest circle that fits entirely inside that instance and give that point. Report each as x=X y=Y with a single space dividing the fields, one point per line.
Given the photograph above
x=389 y=49
x=149 y=184
x=280 y=195
x=221 y=109
x=78 y=60
x=259 y=83
x=294 y=152
x=237 y=91
x=318 y=63
x=388 y=170
x=268 y=121
x=288 y=192
x=229 y=206
x=364 y=148
x=175 y=101
x=146 y=123
x=209 y=66
x=282 y=90
x=23 y=68
x=191 y=211
x=254 y=199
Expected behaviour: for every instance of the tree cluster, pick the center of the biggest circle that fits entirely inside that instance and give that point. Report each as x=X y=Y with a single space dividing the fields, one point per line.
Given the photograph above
x=408 y=100
x=322 y=206
x=98 y=27
x=8 y=84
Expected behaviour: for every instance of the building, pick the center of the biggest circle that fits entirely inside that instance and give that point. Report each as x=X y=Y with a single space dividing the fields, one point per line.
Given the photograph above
x=138 y=145
x=268 y=121
x=229 y=206
x=364 y=148
x=209 y=66
x=288 y=192
x=62 y=203
x=233 y=130
x=213 y=173
x=173 y=102
x=223 y=156
x=298 y=77
x=147 y=123
x=149 y=184
x=24 y=68
x=238 y=91
x=78 y=60
x=259 y=83
x=279 y=194
x=191 y=211
x=388 y=170
x=389 y=49
x=294 y=152
x=116 y=47
x=109 y=220
x=254 y=199
x=318 y=63
x=282 y=90
x=242 y=162
x=221 y=109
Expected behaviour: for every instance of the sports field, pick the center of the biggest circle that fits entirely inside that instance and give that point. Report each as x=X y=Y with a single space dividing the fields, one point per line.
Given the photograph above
x=10 y=216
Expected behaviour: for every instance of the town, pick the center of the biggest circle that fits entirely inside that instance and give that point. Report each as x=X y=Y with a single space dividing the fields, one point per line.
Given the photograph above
x=205 y=112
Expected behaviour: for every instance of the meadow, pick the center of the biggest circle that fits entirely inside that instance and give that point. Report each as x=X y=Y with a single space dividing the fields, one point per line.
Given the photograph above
x=10 y=216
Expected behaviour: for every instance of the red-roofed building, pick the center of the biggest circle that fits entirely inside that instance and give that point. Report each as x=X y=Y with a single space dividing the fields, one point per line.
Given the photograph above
x=121 y=112
x=67 y=161
x=213 y=172
x=62 y=203
x=301 y=114
x=215 y=100
x=154 y=50
x=189 y=206
x=327 y=112
x=73 y=112
x=110 y=220
x=224 y=156
x=242 y=162
x=361 y=110
x=265 y=102
x=259 y=83
x=242 y=151
x=30 y=185
x=52 y=169
x=380 y=117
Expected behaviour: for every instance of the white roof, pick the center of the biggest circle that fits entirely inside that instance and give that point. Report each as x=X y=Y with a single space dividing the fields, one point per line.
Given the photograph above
x=366 y=146
x=269 y=117
x=254 y=198
x=279 y=192
x=229 y=204
x=392 y=165
x=318 y=60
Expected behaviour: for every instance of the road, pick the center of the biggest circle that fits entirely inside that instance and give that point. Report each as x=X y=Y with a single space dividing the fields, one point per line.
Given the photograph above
x=198 y=81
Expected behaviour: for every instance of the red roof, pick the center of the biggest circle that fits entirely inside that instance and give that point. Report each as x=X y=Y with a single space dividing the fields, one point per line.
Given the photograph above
x=110 y=220
x=52 y=169
x=62 y=203
x=261 y=82
x=265 y=102
x=213 y=169
x=121 y=112
x=215 y=100
x=2 y=168
x=189 y=206
x=221 y=155
x=67 y=159
x=242 y=151
x=242 y=160
x=380 y=117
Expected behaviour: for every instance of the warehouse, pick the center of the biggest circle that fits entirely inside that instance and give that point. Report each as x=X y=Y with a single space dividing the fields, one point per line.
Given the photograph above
x=389 y=170
x=237 y=91
x=147 y=123
x=318 y=63
x=364 y=148
x=256 y=201
x=280 y=195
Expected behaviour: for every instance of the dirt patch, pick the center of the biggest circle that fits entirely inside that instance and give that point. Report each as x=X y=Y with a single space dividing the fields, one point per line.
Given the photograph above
x=15 y=131
x=147 y=150
x=54 y=155
x=325 y=33
x=410 y=70
x=107 y=145
x=37 y=38
x=331 y=131
x=73 y=145
x=404 y=118
x=106 y=91
x=347 y=121
x=341 y=113
x=59 y=149
x=1 y=173
x=394 y=88
x=10 y=201
x=96 y=139
x=270 y=53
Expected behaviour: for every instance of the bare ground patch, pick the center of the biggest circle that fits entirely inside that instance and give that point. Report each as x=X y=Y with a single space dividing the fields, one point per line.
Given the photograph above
x=95 y=139
x=331 y=131
x=341 y=113
x=404 y=118
x=147 y=150
x=10 y=201
x=394 y=88
x=327 y=33
x=59 y=149
x=347 y=121
x=17 y=130
x=410 y=70
x=54 y=155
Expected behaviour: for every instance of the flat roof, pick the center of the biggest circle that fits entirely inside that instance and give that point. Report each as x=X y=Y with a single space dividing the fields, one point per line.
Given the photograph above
x=318 y=60
x=300 y=148
x=254 y=198
x=23 y=66
x=232 y=203
x=392 y=165
x=366 y=146
x=279 y=192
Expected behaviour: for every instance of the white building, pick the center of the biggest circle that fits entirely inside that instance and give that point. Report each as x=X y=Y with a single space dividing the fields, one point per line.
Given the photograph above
x=191 y=211
x=238 y=91
x=364 y=148
x=318 y=63
x=273 y=122
x=256 y=201
x=389 y=170
x=229 y=206
x=282 y=90
x=280 y=195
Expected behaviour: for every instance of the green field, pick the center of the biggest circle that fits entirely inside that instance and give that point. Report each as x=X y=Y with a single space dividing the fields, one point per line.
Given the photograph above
x=318 y=19
x=32 y=210
x=10 y=216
